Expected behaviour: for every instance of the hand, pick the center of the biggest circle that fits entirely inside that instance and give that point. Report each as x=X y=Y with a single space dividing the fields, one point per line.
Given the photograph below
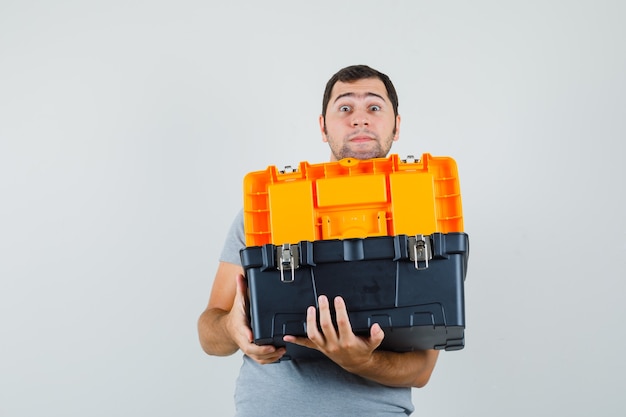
x=340 y=344
x=241 y=333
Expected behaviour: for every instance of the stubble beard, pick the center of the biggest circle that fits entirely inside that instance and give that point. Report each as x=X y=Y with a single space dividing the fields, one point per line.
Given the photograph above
x=372 y=149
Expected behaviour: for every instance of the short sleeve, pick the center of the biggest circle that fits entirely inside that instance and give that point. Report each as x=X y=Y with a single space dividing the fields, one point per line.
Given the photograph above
x=235 y=241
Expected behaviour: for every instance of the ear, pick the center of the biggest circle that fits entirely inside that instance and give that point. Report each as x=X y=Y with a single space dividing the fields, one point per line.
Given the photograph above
x=397 y=134
x=322 y=123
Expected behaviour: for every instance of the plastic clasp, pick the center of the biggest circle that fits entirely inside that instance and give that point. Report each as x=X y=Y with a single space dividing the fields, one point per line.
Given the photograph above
x=419 y=250
x=288 y=259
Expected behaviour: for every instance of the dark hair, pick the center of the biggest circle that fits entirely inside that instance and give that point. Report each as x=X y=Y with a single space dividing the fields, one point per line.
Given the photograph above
x=355 y=73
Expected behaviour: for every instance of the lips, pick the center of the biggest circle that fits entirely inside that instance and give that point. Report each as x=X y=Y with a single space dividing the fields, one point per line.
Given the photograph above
x=362 y=135
x=359 y=139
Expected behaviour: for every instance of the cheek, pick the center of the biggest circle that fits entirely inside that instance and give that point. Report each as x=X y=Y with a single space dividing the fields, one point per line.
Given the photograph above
x=333 y=126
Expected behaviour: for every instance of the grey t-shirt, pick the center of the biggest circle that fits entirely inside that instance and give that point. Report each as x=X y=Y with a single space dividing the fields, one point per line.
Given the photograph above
x=306 y=388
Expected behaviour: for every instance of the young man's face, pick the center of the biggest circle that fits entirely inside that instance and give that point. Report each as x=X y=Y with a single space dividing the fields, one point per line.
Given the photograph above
x=360 y=122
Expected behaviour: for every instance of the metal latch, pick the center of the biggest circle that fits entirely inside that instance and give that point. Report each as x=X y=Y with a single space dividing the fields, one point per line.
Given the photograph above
x=288 y=259
x=288 y=170
x=419 y=250
x=410 y=159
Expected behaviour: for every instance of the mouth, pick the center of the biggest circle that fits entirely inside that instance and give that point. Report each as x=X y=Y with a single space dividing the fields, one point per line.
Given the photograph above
x=360 y=138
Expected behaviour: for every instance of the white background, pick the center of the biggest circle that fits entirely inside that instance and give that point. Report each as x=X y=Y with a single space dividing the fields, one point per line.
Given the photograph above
x=126 y=128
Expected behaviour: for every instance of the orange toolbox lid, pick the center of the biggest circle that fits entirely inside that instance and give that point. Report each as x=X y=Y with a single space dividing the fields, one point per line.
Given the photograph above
x=352 y=198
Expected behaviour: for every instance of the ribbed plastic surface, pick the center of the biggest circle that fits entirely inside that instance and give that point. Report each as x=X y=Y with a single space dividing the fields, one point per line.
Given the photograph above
x=352 y=198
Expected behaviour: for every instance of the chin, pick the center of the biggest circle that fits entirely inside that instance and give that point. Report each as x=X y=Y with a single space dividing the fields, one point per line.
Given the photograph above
x=364 y=154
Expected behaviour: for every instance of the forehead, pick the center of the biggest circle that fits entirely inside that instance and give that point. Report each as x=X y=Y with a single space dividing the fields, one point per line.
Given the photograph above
x=359 y=89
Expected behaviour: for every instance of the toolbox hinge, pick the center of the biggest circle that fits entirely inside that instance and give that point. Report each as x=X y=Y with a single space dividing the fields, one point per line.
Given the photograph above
x=420 y=250
x=288 y=259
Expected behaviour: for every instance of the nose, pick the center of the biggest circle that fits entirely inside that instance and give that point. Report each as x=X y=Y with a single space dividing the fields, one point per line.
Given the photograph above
x=359 y=118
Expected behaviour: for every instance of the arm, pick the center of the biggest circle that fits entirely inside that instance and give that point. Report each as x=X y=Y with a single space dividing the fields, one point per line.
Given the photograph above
x=358 y=355
x=223 y=327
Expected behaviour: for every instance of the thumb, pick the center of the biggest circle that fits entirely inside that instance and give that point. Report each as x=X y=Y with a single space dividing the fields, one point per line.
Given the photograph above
x=241 y=294
x=241 y=302
x=242 y=286
x=376 y=335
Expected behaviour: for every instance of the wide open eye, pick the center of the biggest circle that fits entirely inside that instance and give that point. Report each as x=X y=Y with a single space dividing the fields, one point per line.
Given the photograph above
x=344 y=108
x=374 y=108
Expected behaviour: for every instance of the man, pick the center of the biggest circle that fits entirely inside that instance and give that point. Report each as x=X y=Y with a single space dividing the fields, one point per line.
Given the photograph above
x=359 y=120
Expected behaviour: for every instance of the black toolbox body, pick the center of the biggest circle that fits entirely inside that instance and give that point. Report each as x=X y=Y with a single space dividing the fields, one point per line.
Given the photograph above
x=417 y=298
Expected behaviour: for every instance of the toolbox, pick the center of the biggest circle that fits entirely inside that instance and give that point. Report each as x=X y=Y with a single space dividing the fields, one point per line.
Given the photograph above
x=385 y=234
x=352 y=198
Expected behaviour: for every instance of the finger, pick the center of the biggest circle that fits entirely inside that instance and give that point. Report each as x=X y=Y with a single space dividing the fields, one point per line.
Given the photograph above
x=326 y=321
x=301 y=341
x=343 y=320
x=264 y=354
x=312 y=331
x=253 y=349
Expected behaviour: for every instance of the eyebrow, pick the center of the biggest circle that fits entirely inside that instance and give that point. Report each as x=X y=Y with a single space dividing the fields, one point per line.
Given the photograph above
x=359 y=95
